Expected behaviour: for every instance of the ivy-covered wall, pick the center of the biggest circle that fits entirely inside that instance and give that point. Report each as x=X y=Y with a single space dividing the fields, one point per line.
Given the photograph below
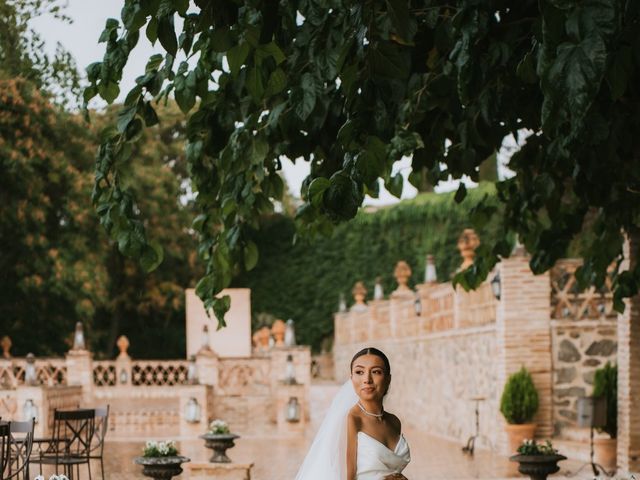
x=304 y=281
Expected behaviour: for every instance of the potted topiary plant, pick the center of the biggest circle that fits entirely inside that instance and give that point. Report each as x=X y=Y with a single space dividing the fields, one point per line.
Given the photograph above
x=518 y=405
x=605 y=384
x=537 y=460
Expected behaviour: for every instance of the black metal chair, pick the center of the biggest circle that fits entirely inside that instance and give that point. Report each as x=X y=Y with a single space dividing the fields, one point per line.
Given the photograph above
x=21 y=443
x=100 y=431
x=5 y=442
x=70 y=445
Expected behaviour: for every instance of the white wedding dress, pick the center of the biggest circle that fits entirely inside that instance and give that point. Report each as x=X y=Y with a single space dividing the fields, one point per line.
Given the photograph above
x=326 y=459
x=375 y=461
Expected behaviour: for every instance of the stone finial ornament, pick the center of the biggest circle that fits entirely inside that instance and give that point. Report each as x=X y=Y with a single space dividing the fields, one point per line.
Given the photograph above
x=123 y=346
x=402 y=273
x=359 y=292
x=278 y=330
x=263 y=335
x=467 y=244
x=78 y=338
x=378 y=291
x=5 y=344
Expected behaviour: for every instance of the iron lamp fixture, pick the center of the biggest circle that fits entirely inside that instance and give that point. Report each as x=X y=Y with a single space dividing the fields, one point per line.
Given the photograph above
x=496 y=286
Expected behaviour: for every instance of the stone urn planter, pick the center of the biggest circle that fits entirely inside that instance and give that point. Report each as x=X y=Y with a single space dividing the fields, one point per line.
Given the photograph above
x=538 y=467
x=219 y=443
x=161 y=468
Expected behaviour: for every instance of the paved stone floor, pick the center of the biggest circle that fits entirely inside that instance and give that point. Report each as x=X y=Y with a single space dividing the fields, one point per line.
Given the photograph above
x=278 y=459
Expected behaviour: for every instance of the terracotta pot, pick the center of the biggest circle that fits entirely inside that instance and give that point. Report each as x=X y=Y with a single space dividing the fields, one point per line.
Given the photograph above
x=605 y=452
x=518 y=434
x=538 y=467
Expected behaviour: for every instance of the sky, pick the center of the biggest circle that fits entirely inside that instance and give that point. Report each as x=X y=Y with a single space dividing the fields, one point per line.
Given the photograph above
x=81 y=40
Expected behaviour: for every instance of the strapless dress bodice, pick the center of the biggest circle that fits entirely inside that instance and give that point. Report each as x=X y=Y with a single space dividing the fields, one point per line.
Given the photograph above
x=375 y=460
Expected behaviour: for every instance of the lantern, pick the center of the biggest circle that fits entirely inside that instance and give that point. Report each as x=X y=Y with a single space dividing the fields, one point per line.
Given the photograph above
x=192 y=411
x=293 y=410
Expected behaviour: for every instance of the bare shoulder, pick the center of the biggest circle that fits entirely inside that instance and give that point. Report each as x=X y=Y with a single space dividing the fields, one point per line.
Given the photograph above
x=394 y=422
x=354 y=418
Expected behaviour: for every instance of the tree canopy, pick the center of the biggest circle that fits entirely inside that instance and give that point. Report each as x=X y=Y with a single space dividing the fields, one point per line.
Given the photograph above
x=23 y=53
x=353 y=86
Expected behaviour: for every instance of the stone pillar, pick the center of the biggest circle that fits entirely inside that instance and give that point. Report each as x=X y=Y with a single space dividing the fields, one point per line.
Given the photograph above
x=207 y=366
x=80 y=372
x=524 y=337
x=629 y=370
x=400 y=296
x=301 y=356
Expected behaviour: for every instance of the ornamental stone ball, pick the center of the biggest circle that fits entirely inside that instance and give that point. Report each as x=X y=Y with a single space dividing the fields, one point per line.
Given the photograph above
x=467 y=244
x=123 y=346
x=402 y=273
x=5 y=344
x=278 y=330
x=359 y=293
x=263 y=336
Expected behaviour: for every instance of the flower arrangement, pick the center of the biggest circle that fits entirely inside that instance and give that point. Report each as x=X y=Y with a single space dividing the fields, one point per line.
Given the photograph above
x=530 y=447
x=160 y=449
x=219 y=427
x=53 y=477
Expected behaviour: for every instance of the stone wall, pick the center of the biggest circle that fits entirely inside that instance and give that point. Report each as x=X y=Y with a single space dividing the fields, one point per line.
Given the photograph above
x=584 y=338
x=430 y=372
x=465 y=345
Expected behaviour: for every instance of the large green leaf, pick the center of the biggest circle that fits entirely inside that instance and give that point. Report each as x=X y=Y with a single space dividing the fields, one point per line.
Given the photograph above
x=574 y=78
x=167 y=35
x=237 y=56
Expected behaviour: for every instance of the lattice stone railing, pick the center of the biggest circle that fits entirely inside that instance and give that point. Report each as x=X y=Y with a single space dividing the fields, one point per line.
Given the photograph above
x=156 y=373
x=104 y=373
x=49 y=372
x=569 y=303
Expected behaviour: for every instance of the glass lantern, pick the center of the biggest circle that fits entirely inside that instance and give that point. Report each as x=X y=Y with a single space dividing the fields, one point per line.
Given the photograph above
x=192 y=411
x=290 y=371
x=30 y=375
x=293 y=410
x=124 y=376
x=496 y=286
x=30 y=410
x=192 y=371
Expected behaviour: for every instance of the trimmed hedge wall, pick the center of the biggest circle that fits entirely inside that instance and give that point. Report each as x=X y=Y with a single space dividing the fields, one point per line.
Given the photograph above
x=304 y=281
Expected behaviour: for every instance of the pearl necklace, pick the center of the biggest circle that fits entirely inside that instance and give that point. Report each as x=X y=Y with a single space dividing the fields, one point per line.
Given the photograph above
x=364 y=410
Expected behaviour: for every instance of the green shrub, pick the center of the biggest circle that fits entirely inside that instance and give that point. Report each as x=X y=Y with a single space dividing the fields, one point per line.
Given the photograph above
x=519 y=402
x=605 y=384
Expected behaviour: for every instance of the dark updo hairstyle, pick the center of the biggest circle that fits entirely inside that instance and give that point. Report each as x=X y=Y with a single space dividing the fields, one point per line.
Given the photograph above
x=377 y=353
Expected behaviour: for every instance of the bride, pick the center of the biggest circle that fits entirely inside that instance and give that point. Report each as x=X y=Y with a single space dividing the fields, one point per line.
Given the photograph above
x=358 y=439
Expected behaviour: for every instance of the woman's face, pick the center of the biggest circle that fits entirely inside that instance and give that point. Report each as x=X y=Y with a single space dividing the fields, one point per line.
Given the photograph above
x=369 y=377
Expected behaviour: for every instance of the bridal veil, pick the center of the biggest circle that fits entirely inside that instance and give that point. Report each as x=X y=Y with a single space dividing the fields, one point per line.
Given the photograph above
x=327 y=456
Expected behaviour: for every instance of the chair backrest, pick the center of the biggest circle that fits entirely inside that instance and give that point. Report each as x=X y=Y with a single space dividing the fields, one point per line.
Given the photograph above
x=100 y=429
x=5 y=442
x=21 y=443
x=74 y=429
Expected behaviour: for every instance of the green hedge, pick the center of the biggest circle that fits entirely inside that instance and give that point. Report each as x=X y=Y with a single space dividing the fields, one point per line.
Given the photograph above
x=304 y=281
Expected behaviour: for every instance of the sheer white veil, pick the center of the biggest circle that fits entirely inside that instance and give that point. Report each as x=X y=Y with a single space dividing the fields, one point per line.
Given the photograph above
x=327 y=456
